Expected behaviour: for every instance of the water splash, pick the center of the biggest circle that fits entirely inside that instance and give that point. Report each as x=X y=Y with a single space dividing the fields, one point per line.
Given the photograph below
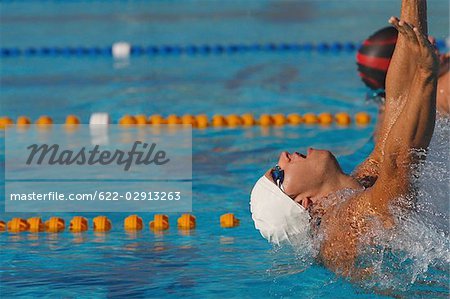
x=413 y=259
x=416 y=254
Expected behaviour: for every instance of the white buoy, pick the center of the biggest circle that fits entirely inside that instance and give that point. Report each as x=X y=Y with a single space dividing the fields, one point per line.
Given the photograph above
x=99 y=118
x=121 y=50
x=98 y=127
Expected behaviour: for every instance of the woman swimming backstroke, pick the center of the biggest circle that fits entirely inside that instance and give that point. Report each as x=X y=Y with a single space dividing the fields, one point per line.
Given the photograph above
x=292 y=200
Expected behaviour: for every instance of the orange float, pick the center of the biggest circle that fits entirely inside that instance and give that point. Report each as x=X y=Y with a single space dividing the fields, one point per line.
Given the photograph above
x=310 y=118
x=102 y=224
x=44 y=120
x=78 y=224
x=186 y=221
x=219 y=121
x=362 y=118
x=228 y=220
x=160 y=222
x=188 y=119
x=325 y=119
x=265 y=120
x=202 y=121
x=133 y=222
x=36 y=224
x=279 y=119
x=234 y=120
x=5 y=122
x=23 y=121
x=248 y=119
x=343 y=119
x=17 y=225
x=55 y=225
x=128 y=120
x=72 y=120
x=141 y=119
x=157 y=119
x=173 y=120
x=294 y=119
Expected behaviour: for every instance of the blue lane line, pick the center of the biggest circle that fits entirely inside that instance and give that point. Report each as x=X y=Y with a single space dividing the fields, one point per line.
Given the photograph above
x=166 y=50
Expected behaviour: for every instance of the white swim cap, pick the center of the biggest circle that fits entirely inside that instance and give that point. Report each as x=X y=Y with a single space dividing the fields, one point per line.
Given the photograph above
x=278 y=218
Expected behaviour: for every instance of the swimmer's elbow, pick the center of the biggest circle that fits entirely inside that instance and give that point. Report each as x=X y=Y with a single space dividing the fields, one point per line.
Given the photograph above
x=393 y=180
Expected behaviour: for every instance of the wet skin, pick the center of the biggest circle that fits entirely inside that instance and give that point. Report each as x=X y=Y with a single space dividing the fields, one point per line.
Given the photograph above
x=308 y=179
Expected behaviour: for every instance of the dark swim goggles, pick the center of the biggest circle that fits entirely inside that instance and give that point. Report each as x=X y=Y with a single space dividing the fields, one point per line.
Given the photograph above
x=278 y=176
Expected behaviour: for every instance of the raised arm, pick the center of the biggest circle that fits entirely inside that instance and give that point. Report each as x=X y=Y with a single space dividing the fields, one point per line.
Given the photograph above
x=413 y=122
x=398 y=82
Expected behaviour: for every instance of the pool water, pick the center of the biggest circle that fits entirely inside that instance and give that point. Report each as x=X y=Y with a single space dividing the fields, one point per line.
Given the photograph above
x=210 y=261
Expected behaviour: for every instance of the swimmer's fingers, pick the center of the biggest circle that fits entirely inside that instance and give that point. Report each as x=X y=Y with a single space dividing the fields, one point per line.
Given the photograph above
x=394 y=21
x=422 y=39
x=409 y=32
x=403 y=28
x=430 y=60
x=419 y=45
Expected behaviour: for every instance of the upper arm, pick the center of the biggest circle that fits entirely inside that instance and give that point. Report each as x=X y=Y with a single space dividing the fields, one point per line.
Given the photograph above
x=393 y=181
x=399 y=79
x=413 y=124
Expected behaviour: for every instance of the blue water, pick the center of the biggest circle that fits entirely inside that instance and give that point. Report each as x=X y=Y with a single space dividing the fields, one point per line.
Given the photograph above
x=211 y=261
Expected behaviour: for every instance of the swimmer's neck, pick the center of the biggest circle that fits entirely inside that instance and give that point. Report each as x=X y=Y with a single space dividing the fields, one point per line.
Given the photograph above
x=338 y=182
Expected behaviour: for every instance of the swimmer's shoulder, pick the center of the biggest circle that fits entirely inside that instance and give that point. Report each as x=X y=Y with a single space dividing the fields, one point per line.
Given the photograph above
x=342 y=229
x=355 y=214
x=368 y=205
x=345 y=227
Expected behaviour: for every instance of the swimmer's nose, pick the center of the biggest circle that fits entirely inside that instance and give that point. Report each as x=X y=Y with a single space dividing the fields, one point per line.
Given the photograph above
x=284 y=157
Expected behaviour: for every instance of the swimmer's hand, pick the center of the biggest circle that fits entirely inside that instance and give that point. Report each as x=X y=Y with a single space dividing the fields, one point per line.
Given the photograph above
x=420 y=46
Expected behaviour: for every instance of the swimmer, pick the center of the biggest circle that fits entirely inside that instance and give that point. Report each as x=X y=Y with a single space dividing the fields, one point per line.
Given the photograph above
x=291 y=201
x=373 y=60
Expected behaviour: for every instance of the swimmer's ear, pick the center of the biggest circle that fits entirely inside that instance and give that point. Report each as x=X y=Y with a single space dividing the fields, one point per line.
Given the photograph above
x=303 y=201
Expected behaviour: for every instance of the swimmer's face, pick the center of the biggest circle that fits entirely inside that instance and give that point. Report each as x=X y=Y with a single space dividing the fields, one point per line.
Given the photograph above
x=304 y=174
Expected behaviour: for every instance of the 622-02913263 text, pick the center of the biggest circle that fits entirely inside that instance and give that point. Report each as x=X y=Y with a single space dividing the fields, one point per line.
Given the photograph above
x=99 y=195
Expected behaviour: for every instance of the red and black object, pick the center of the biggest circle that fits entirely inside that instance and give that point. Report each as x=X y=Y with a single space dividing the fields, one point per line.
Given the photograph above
x=374 y=56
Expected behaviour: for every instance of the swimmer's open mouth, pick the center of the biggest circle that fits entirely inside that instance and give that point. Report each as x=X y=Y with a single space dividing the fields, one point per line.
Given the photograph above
x=290 y=156
x=301 y=155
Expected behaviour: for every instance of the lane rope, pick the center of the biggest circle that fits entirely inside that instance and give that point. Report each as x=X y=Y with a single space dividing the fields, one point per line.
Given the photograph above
x=78 y=224
x=202 y=121
x=124 y=50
